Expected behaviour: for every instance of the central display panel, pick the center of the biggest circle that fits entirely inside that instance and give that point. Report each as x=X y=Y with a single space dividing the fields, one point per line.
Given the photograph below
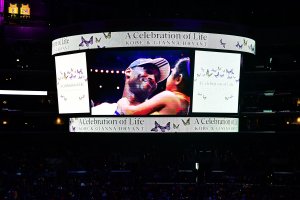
x=141 y=76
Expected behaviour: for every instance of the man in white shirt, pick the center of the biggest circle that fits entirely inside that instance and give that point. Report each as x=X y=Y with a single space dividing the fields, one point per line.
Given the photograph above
x=141 y=79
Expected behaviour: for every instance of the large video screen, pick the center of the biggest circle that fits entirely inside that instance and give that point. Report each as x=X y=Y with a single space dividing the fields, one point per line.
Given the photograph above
x=115 y=81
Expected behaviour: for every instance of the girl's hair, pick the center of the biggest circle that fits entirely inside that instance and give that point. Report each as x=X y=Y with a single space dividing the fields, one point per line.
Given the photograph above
x=182 y=66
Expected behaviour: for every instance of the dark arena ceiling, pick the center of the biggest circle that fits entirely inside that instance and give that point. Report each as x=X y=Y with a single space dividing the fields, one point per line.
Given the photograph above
x=254 y=13
x=271 y=22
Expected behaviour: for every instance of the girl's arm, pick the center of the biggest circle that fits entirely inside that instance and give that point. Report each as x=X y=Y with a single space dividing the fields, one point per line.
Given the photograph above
x=156 y=103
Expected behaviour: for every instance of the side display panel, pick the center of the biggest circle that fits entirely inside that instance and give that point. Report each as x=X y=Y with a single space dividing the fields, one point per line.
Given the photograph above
x=216 y=82
x=72 y=83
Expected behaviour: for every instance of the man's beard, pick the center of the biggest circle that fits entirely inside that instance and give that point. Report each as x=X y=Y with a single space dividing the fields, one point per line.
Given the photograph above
x=142 y=88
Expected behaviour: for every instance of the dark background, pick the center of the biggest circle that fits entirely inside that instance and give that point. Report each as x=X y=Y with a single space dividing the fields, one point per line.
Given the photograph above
x=39 y=159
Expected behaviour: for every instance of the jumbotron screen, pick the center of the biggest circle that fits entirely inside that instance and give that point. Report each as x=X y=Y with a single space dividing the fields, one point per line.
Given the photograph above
x=168 y=74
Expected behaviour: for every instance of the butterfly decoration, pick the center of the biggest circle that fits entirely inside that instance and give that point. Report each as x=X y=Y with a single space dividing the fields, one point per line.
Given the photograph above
x=98 y=40
x=72 y=128
x=222 y=43
x=203 y=96
x=85 y=42
x=230 y=71
x=81 y=76
x=107 y=35
x=162 y=128
x=81 y=97
x=187 y=122
x=208 y=74
x=251 y=47
x=63 y=97
x=176 y=126
x=216 y=75
x=227 y=98
x=65 y=76
x=72 y=76
x=238 y=45
x=99 y=47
